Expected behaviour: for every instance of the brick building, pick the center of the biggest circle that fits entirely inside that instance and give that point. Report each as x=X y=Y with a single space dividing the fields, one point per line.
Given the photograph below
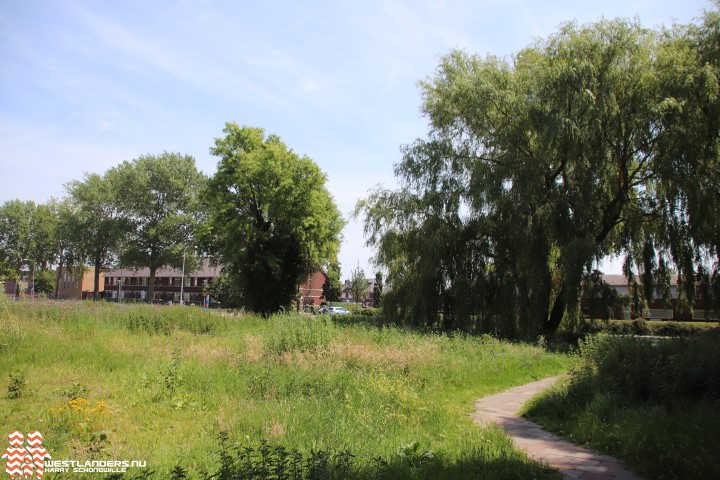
x=132 y=285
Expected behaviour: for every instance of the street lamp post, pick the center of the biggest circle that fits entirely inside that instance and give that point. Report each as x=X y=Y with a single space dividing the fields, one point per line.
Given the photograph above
x=120 y=283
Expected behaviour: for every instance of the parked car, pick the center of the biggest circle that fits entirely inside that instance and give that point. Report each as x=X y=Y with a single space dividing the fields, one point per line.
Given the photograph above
x=334 y=311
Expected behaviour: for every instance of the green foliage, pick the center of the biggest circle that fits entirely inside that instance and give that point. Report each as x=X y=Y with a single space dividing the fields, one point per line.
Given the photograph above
x=7 y=271
x=94 y=223
x=378 y=290
x=632 y=398
x=602 y=300
x=310 y=334
x=16 y=385
x=358 y=285
x=76 y=390
x=226 y=291
x=332 y=288
x=44 y=282
x=27 y=237
x=663 y=371
x=582 y=145
x=271 y=219
x=159 y=197
x=166 y=322
x=644 y=327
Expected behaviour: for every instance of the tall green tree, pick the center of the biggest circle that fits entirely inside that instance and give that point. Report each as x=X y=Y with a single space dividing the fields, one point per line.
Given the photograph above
x=358 y=285
x=332 y=288
x=69 y=238
x=96 y=225
x=535 y=167
x=378 y=290
x=271 y=222
x=27 y=235
x=159 y=197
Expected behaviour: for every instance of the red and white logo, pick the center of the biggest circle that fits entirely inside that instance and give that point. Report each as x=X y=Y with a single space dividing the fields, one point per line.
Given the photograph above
x=25 y=462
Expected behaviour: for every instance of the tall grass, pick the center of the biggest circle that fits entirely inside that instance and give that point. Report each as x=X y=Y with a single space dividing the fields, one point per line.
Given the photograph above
x=653 y=403
x=178 y=386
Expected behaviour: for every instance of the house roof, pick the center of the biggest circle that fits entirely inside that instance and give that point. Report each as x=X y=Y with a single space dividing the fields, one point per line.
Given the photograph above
x=622 y=281
x=206 y=270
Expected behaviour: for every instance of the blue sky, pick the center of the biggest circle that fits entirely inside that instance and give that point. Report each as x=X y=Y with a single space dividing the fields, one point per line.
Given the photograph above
x=85 y=85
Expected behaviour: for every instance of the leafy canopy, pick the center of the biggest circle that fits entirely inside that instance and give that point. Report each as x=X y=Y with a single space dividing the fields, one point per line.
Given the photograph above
x=159 y=197
x=271 y=219
x=583 y=145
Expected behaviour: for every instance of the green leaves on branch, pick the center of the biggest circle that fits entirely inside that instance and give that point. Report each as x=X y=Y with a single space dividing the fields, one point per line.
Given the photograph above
x=602 y=139
x=271 y=219
x=160 y=197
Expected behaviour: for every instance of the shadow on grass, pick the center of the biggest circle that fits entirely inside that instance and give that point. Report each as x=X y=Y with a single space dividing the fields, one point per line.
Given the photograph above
x=498 y=469
x=276 y=462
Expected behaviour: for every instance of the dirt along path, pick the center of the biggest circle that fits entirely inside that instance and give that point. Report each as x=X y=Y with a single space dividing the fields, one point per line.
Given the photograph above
x=573 y=462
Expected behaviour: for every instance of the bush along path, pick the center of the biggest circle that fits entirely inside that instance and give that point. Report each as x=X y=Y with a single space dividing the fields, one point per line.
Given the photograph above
x=573 y=462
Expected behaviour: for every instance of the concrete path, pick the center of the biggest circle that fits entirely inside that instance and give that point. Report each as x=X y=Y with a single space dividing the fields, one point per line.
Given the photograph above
x=573 y=462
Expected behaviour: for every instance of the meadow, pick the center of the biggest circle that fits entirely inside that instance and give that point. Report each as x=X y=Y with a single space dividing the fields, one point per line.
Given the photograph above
x=201 y=394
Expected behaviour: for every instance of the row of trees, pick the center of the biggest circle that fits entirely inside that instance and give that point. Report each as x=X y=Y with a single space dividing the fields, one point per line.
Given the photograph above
x=138 y=214
x=602 y=139
x=265 y=215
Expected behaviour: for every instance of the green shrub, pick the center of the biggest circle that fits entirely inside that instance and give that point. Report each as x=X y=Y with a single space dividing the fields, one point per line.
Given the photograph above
x=651 y=402
x=643 y=327
x=664 y=371
x=16 y=385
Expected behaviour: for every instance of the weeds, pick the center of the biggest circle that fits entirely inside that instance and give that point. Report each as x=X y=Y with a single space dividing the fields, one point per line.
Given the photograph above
x=84 y=424
x=16 y=386
x=75 y=391
x=170 y=377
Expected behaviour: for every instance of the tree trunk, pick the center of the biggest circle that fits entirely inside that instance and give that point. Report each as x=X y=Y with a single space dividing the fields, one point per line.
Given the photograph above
x=96 y=282
x=557 y=312
x=57 y=277
x=151 y=285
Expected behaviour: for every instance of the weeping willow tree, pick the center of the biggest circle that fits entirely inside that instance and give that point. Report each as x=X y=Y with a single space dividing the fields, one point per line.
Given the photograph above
x=586 y=144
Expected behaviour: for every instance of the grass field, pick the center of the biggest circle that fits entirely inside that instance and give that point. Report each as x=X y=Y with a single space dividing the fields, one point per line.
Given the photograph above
x=214 y=394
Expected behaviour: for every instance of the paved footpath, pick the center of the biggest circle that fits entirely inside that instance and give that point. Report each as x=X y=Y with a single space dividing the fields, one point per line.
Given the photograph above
x=572 y=461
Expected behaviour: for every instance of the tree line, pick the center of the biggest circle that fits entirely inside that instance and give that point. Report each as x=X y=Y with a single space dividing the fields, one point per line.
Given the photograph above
x=265 y=216
x=602 y=139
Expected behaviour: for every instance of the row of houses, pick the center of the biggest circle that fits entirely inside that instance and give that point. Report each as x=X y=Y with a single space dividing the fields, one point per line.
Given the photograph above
x=658 y=308
x=132 y=285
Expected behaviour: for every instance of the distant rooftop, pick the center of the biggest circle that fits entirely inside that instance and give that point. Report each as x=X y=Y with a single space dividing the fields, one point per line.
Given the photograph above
x=206 y=270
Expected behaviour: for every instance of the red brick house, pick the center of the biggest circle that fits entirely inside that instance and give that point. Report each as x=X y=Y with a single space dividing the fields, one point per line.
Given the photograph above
x=132 y=285
x=311 y=290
